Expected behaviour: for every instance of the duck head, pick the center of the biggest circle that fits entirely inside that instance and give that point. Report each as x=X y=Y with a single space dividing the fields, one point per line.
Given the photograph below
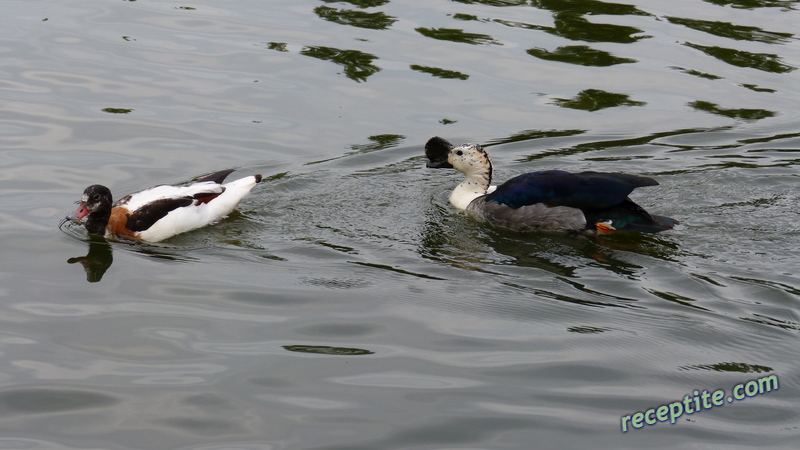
x=470 y=159
x=437 y=150
x=95 y=198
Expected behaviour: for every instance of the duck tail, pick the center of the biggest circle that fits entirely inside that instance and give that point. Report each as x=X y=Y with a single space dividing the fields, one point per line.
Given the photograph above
x=217 y=177
x=659 y=223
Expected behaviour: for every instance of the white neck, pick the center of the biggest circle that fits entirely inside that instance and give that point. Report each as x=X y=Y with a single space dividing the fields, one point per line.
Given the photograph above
x=476 y=185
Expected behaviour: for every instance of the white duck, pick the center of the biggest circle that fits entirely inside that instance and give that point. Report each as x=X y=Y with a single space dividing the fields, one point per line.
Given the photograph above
x=160 y=212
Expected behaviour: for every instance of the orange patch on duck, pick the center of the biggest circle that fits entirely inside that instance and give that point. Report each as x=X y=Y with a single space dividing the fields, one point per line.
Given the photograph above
x=117 y=223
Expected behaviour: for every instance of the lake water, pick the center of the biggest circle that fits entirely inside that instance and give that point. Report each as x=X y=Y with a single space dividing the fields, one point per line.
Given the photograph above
x=346 y=305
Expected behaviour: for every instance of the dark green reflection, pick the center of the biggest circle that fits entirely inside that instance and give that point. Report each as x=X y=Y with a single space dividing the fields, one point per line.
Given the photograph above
x=595 y=100
x=277 y=46
x=729 y=367
x=587 y=330
x=580 y=29
x=325 y=350
x=754 y=87
x=357 y=65
x=592 y=7
x=360 y=3
x=579 y=54
x=468 y=17
x=439 y=73
x=530 y=135
x=456 y=35
x=494 y=2
x=697 y=73
x=729 y=30
x=571 y=23
x=613 y=143
x=117 y=110
x=776 y=137
x=742 y=113
x=576 y=29
x=379 y=142
x=752 y=4
x=361 y=19
x=511 y=23
x=740 y=58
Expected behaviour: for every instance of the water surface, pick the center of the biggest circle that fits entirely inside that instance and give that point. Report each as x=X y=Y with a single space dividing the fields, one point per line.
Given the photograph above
x=346 y=305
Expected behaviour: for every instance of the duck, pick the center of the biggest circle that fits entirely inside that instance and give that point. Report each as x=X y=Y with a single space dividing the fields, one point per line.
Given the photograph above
x=161 y=212
x=548 y=200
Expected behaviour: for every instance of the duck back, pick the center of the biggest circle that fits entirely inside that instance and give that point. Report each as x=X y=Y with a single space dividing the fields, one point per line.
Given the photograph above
x=584 y=190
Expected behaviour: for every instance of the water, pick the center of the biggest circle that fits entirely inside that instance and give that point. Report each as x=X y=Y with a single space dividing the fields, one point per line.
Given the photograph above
x=346 y=304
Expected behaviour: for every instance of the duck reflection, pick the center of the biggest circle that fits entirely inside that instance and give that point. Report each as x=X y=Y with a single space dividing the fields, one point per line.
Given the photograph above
x=467 y=243
x=97 y=261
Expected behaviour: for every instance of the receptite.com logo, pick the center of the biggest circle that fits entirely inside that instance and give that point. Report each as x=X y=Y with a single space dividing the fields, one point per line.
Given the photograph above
x=698 y=402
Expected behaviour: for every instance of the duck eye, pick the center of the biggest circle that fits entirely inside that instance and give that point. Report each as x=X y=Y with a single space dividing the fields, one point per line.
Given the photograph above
x=459 y=153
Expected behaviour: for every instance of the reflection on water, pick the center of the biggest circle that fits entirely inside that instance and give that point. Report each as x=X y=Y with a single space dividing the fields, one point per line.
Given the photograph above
x=750 y=4
x=100 y=255
x=595 y=100
x=731 y=31
x=97 y=261
x=357 y=64
x=580 y=54
x=360 y=19
x=361 y=3
x=457 y=35
x=326 y=350
x=569 y=21
x=529 y=135
x=730 y=367
x=439 y=73
x=697 y=73
x=562 y=254
x=768 y=62
x=588 y=147
x=733 y=113
x=117 y=110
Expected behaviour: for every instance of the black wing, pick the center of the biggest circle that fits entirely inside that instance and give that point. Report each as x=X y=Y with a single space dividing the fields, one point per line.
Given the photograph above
x=152 y=212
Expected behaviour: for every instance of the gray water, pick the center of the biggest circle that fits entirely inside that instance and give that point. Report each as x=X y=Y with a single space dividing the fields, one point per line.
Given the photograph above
x=346 y=305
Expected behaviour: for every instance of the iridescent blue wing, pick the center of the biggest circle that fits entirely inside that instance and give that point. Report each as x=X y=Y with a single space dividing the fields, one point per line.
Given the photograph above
x=584 y=190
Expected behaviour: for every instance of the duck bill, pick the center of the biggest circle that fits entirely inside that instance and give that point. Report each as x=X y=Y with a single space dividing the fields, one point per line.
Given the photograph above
x=79 y=213
x=439 y=165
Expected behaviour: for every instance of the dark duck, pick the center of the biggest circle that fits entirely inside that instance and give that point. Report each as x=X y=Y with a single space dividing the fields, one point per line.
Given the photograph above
x=587 y=202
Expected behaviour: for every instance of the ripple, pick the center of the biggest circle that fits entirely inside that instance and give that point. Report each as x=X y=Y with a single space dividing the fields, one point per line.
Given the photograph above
x=405 y=380
x=47 y=401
